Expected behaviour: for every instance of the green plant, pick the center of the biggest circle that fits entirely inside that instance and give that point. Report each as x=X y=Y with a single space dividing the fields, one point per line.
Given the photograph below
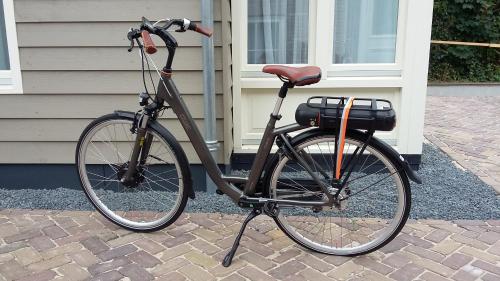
x=468 y=21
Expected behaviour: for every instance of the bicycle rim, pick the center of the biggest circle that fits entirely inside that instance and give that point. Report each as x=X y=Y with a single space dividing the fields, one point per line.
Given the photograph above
x=370 y=217
x=154 y=200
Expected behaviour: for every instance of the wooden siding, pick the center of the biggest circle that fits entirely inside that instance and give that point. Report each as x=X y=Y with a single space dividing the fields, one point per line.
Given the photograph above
x=75 y=67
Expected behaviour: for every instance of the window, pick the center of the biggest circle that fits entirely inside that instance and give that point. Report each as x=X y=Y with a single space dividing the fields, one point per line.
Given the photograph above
x=365 y=31
x=4 y=50
x=278 y=31
x=10 y=72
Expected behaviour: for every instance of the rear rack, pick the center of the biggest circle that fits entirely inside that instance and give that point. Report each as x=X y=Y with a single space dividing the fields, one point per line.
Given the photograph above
x=366 y=114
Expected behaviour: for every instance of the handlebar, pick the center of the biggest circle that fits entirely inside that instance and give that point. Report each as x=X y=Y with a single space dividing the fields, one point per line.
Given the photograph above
x=148 y=28
x=149 y=45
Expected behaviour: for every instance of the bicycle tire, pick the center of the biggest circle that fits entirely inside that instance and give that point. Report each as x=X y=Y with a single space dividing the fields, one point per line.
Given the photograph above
x=374 y=144
x=178 y=152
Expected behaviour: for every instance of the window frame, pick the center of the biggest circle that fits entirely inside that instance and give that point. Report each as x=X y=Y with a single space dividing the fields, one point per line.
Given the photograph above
x=255 y=70
x=372 y=69
x=321 y=21
x=14 y=74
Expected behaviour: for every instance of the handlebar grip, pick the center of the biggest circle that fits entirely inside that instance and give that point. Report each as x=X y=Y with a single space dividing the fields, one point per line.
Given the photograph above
x=203 y=30
x=149 y=45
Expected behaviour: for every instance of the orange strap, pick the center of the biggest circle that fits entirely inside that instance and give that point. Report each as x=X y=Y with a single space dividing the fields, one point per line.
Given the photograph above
x=341 y=142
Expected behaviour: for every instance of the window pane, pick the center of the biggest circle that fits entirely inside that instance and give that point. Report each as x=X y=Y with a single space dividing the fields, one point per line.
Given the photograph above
x=4 y=51
x=365 y=31
x=278 y=31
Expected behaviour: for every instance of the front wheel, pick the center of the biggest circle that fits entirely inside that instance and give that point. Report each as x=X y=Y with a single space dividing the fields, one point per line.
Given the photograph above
x=370 y=210
x=158 y=193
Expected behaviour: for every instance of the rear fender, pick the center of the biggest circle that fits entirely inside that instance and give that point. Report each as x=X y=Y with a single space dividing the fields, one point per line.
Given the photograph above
x=382 y=146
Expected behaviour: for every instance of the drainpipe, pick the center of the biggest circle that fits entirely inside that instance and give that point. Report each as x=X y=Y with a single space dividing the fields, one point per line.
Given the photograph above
x=209 y=86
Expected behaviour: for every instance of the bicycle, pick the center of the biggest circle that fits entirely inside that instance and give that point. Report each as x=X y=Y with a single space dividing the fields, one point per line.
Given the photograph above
x=319 y=187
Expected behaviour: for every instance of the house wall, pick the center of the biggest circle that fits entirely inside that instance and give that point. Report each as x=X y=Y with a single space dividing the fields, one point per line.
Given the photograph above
x=75 y=67
x=402 y=82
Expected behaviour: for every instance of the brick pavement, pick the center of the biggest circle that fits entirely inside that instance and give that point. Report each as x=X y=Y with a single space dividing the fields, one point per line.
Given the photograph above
x=468 y=130
x=79 y=245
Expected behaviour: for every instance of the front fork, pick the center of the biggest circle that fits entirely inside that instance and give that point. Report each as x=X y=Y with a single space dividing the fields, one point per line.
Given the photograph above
x=141 y=148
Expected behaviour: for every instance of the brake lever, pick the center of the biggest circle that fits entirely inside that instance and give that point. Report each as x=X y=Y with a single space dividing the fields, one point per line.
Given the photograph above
x=131 y=45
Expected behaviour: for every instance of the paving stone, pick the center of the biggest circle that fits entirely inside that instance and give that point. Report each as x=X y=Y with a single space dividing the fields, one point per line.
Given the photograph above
x=396 y=260
x=12 y=247
x=220 y=270
x=311 y=274
x=208 y=235
x=480 y=254
x=315 y=263
x=336 y=260
x=457 y=260
x=12 y=270
x=54 y=232
x=374 y=265
x=108 y=276
x=407 y=273
x=258 y=260
x=463 y=275
x=168 y=254
x=45 y=275
x=169 y=266
x=287 y=269
x=395 y=245
x=135 y=272
x=144 y=259
x=205 y=247
x=437 y=235
x=490 y=277
x=102 y=267
x=123 y=240
x=196 y=273
x=172 y=276
x=429 y=276
x=27 y=255
x=41 y=243
x=65 y=249
x=446 y=247
x=233 y=277
x=254 y=274
x=22 y=236
x=415 y=240
x=489 y=237
x=200 y=259
x=117 y=252
x=95 y=245
x=495 y=269
x=73 y=272
x=345 y=271
x=287 y=255
x=149 y=246
x=424 y=253
x=49 y=264
x=172 y=242
x=84 y=258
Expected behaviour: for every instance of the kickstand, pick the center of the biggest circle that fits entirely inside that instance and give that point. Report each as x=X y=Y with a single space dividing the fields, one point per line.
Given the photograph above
x=229 y=257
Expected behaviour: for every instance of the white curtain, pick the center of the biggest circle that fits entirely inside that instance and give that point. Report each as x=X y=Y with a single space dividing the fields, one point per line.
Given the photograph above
x=365 y=31
x=278 y=31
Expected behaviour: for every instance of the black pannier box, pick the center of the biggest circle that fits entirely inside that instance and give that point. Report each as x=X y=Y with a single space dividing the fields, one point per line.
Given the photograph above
x=365 y=114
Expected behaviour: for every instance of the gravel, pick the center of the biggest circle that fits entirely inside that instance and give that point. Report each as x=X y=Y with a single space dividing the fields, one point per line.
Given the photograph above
x=448 y=192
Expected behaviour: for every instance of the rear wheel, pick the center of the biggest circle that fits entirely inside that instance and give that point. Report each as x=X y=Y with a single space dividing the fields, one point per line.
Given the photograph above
x=156 y=196
x=371 y=210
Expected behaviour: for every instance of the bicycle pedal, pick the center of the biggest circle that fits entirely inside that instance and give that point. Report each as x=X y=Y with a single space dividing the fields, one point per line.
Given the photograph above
x=218 y=191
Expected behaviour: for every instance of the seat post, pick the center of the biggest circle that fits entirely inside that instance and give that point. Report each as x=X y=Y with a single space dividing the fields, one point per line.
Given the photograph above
x=282 y=94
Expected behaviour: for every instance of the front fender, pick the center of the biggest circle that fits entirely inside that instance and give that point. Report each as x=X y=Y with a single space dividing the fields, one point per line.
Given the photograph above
x=382 y=146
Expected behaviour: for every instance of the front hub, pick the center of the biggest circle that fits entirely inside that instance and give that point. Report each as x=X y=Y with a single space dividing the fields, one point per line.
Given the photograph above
x=134 y=181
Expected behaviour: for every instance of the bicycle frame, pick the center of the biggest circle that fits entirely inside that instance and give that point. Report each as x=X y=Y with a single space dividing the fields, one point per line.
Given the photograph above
x=167 y=91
